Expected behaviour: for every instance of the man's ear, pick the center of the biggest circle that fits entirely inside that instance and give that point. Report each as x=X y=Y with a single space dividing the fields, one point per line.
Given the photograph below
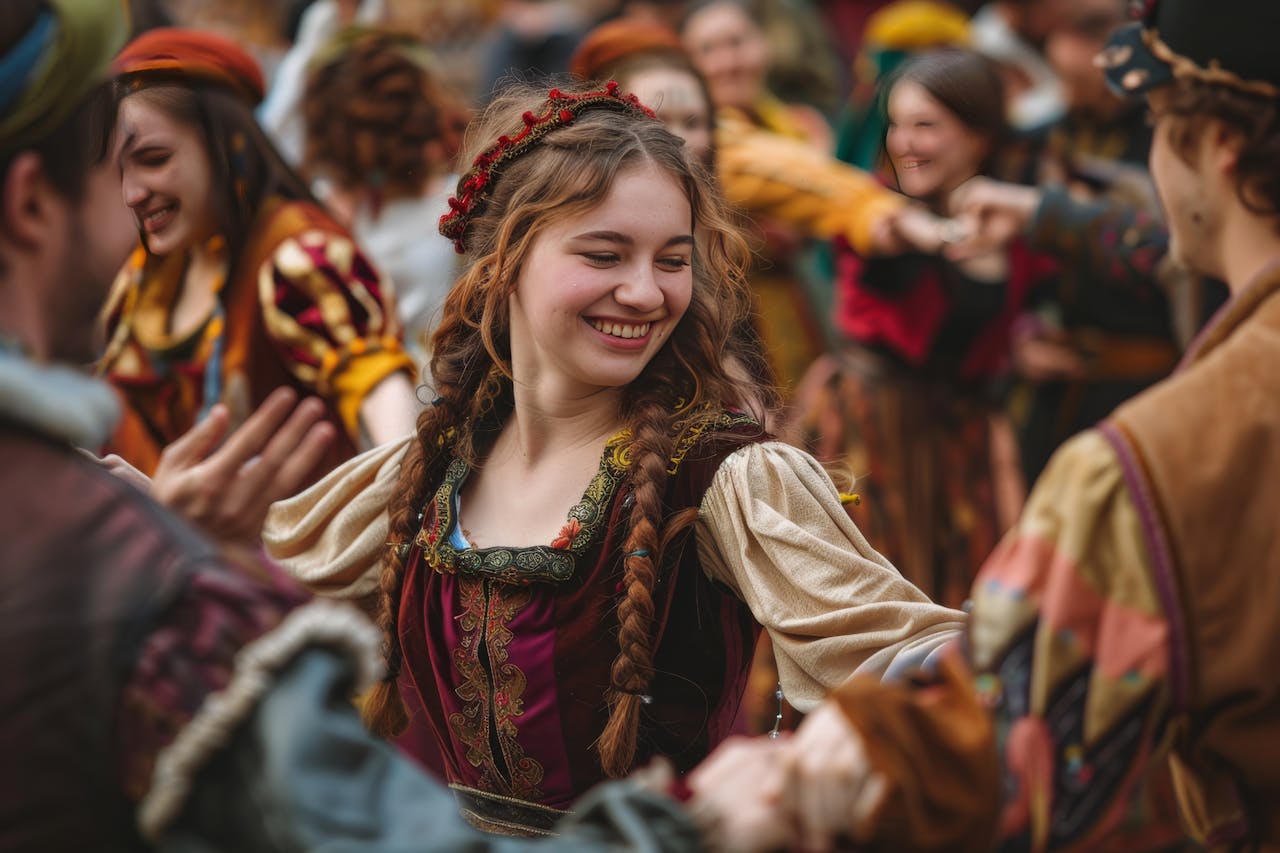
x=25 y=200
x=1224 y=146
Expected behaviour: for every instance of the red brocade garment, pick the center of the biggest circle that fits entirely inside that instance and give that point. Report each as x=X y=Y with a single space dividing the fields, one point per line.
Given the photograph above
x=509 y=650
x=303 y=308
x=920 y=311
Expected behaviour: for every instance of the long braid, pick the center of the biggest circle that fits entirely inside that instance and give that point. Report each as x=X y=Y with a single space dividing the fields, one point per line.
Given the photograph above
x=632 y=670
x=384 y=709
x=471 y=388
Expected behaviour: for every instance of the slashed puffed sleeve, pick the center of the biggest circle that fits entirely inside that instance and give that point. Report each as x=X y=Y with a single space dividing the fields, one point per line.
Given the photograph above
x=772 y=529
x=332 y=318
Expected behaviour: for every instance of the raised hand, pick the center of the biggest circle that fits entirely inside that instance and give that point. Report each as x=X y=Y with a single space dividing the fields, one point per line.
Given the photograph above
x=226 y=488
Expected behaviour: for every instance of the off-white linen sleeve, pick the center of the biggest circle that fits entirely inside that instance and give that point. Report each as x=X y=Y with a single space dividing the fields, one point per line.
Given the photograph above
x=772 y=529
x=332 y=537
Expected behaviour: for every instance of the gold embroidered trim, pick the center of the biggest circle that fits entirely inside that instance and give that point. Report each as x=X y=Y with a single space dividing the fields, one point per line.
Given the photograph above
x=551 y=563
x=486 y=612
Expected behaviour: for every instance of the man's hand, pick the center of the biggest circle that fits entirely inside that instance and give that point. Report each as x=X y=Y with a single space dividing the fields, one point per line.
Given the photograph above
x=227 y=489
x=1046 y=354
x=993 y=213
x=831 y=789
x=738 y=796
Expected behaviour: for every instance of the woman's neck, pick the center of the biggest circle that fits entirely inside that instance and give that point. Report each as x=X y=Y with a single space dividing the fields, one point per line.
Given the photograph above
x=543 y=427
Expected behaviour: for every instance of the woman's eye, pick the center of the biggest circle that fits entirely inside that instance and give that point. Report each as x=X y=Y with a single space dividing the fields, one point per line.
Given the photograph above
x=600 y=258
x=154 y=160
x=673 y=264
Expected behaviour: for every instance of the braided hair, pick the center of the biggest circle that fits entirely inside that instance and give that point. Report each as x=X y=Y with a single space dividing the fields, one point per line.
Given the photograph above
x=683 y=387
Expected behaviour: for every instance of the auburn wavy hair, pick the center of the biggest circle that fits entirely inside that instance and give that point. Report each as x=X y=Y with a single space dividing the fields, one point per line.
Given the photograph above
x=378 y=116
x=568 y=173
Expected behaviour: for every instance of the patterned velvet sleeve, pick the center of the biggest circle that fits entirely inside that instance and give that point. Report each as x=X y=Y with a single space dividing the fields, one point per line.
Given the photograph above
x=206 y=663
x=1069 y=647
x=1119 y=244
x=332 y=317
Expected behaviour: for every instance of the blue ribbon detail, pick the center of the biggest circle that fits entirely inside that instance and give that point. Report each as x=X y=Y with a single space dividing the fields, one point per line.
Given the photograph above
x=16 y=68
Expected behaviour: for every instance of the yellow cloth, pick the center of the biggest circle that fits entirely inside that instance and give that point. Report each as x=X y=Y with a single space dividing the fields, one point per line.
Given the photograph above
x=782 y=178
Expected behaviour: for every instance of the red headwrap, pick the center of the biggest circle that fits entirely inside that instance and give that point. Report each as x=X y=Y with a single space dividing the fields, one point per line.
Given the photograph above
x=614 y=41
x=203 y=56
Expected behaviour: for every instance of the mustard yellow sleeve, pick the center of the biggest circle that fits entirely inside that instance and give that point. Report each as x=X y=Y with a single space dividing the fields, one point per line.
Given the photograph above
x=788 y=180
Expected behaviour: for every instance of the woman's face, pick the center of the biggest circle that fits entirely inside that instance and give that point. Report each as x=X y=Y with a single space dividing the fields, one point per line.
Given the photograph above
x=931 y=150
x=167 y=177
x=730 y=51
x=600 y=293
x=679 y=102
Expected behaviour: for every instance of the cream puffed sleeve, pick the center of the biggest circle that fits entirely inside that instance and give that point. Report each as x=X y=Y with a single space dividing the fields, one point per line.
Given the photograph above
x=332 y=537
x=771 y=528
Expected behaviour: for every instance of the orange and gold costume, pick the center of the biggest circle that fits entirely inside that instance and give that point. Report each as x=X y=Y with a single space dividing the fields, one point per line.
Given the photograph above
x=303 y=308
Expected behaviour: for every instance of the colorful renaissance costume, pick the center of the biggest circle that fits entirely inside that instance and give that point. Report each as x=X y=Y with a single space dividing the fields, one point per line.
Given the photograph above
x=509 y=649
x=303 y=308
x=162 y=692
x=910 y=402
x=1130 y=616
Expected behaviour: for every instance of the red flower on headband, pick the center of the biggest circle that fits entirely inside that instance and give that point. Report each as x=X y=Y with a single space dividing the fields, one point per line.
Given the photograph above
x=563 y=109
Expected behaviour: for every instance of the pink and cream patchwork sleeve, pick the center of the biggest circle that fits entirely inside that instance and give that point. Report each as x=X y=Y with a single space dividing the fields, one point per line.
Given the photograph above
x=1068 y=647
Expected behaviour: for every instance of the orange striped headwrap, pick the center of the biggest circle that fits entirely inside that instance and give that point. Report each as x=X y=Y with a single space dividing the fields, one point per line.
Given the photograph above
x=170 y=53
x=614 y=41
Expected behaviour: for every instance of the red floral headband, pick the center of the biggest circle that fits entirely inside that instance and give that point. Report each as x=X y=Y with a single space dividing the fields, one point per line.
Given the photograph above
x=562 y=109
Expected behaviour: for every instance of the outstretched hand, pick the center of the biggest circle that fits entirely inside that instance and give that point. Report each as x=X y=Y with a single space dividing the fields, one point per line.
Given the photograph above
x=738 y=796
x=832 y=789
x=992 y=214
x=226 y=487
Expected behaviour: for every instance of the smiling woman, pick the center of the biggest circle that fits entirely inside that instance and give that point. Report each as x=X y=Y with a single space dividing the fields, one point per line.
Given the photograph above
x=589 y=532
x=908 y=402
x=242 y=282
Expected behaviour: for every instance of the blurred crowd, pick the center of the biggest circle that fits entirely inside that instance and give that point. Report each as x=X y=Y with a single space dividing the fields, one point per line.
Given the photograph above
x=954 y=262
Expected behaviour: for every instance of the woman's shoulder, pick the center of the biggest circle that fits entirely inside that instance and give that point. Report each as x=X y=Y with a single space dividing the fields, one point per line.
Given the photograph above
x=702 y=443
x=285 y=217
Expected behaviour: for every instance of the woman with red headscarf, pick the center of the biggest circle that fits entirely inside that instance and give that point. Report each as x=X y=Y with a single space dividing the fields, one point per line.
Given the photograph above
x=242 y=282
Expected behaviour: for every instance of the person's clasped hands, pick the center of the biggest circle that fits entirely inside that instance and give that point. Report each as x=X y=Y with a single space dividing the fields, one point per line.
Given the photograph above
x=811 y=791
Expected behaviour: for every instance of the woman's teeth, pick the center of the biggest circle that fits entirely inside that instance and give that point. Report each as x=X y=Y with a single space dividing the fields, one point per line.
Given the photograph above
x=620 y=330
x=156 y=216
